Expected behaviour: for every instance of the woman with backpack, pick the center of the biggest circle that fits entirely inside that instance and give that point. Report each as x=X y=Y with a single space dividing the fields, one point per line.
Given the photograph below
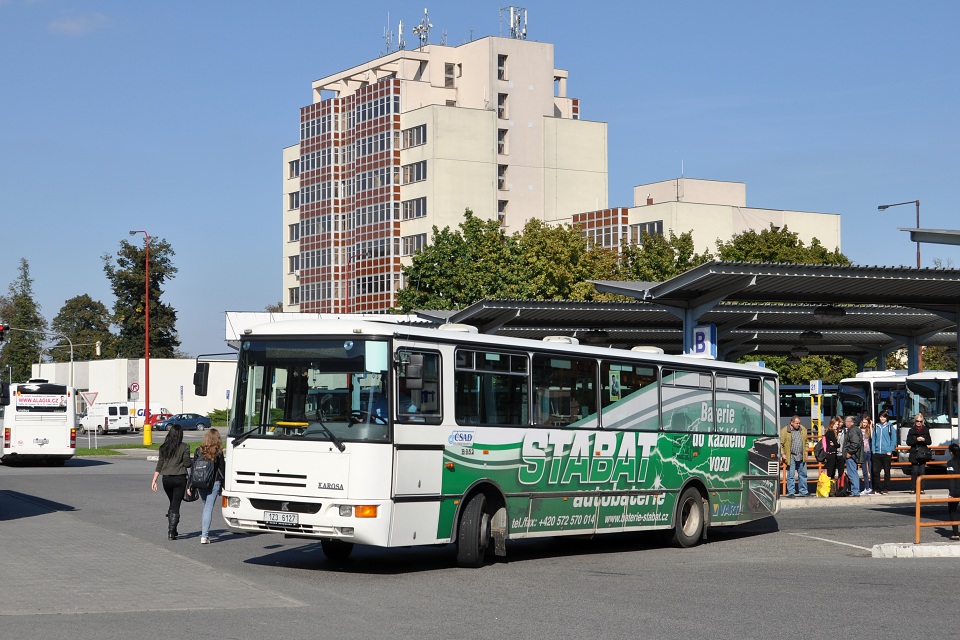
x=209 y=468
x=172 y=465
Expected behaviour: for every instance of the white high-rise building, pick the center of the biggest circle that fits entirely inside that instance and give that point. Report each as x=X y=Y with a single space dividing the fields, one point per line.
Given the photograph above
x=408 y=141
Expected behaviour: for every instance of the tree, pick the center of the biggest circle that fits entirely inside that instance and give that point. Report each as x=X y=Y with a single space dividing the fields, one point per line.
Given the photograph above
x=85 y=321
x=461 y=267
x=127 y=281
x=777 y=244
x=22 y=348
x=658 y=258
x=939 y=359
x=556 y=261
x=274 y=308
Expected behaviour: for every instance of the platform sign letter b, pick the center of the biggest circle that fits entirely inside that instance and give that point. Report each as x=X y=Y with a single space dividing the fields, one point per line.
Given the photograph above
x=705 y=341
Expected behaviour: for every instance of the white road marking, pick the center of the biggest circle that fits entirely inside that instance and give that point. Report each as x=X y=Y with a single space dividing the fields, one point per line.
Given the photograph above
x=846 y=544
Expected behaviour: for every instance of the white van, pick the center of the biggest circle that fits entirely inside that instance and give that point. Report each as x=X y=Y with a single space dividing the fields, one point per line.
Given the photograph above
x=106 y=417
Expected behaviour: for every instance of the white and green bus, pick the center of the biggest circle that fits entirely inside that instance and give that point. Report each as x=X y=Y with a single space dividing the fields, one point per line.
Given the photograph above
x=354 y=432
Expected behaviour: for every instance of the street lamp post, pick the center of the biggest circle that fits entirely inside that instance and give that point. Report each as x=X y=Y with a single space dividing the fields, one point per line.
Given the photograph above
x=147 y=431
x=884 y=207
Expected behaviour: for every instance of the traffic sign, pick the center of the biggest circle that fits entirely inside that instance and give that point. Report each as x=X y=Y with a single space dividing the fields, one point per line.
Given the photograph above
x=135 y=386
x=89 y=397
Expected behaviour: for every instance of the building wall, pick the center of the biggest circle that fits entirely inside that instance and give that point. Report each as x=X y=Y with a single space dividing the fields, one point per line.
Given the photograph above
x=290 y=238
x=553 y=164
x=695 y=190
x=111 y=379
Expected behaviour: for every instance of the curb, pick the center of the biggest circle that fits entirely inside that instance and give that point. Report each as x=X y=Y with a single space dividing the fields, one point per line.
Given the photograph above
x=907 y=550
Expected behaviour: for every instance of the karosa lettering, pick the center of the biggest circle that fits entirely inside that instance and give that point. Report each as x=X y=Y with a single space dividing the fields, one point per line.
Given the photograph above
x=335 y=486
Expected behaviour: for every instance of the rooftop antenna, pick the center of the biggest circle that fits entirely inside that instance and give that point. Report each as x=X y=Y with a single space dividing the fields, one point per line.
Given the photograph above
x=422 y=30
x=401 y=43
x=443 y=38
x=518 y=22
x=388 y=34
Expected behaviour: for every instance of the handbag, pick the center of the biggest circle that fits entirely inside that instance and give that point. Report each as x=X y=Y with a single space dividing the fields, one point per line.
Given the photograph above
x=923 y=453
x=193 y=495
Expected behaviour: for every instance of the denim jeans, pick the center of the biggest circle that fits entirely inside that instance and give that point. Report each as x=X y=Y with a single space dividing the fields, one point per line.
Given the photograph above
x=854 y=476
x=209 y=498
x=797 y=471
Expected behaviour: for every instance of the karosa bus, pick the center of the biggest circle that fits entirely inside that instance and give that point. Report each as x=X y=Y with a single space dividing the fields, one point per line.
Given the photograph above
x=358 y=432
x=39 y=422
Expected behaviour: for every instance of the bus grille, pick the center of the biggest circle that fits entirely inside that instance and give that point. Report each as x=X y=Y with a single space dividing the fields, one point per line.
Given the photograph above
x=253 y=478
x=285 y=505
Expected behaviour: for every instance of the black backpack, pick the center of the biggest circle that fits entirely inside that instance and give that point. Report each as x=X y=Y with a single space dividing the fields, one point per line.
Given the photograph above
x=203 y=472
x=818 y=451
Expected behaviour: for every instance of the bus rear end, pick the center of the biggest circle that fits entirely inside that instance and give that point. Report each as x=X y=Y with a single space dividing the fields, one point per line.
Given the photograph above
x=39 y=423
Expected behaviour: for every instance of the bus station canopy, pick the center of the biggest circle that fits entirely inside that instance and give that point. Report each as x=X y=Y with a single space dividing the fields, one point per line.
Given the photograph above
x=770 y=309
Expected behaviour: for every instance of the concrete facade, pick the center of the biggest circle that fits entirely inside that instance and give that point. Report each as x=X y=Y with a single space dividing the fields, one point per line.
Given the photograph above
x=408 y=141
x=111 y=379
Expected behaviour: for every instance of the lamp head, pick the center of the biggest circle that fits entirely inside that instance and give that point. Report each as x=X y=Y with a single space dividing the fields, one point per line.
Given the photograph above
x=883 y=207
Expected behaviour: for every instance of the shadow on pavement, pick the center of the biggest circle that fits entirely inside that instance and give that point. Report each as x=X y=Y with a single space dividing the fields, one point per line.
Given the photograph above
x=15 y=505
x=383 y=561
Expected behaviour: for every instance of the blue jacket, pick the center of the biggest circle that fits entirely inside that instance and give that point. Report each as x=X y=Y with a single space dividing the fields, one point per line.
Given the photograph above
x=884 y=438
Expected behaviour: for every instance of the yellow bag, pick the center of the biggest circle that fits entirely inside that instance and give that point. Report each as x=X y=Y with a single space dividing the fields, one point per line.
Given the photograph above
x=823 y=485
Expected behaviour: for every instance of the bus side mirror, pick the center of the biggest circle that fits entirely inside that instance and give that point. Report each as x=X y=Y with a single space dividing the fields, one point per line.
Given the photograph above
x=413 y=373
x=200 y=378
x=4 y=394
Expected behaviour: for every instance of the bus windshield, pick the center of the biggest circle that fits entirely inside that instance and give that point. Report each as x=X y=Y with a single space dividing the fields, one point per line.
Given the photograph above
x=932 y=399
x=335 y=390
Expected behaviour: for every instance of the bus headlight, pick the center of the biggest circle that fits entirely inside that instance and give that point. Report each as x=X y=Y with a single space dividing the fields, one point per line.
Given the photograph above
x=231 y=502
x=346 y=511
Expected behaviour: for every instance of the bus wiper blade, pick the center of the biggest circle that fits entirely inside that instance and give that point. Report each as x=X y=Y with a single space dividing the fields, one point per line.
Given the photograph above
x=243 y=436
x=334 y=439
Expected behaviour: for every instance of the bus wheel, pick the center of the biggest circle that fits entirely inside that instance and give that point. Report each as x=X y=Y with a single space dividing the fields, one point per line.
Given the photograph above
x=689 y=522
x=336 y=550
x=473 y=534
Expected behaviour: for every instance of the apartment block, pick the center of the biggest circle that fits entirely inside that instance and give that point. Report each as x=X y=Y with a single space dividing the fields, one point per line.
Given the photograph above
x=393 y=147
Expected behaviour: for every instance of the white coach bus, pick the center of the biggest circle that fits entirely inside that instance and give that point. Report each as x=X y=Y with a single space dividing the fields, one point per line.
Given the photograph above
x=39 y=421
x=354 y=432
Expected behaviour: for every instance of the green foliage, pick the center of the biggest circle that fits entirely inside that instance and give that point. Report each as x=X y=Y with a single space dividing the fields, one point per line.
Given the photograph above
x=21 y=348
x=939 y=359
x=127 y=278
x=85 y=321
x=777 y=245
x=658 y=258
x=219 y=417
x=830 y=369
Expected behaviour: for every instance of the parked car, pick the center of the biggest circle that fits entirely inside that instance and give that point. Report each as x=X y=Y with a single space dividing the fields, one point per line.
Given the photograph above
x=156 y=418
x=187 y=422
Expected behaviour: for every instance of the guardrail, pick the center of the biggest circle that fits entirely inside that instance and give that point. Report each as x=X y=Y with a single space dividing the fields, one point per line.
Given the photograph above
x=921 y=501
x=813 y=463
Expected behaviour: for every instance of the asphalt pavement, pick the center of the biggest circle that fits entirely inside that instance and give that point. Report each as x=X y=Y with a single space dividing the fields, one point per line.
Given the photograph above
x=89 y=539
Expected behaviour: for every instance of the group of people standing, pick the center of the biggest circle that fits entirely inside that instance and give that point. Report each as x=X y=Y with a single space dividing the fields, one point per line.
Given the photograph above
x=852 y=448
x=173 y=468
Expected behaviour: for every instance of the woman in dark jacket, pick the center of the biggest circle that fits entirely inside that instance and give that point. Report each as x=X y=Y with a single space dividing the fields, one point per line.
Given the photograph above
x=918 y=439
x=833 y=446
x=953 y=467
x=172 y=465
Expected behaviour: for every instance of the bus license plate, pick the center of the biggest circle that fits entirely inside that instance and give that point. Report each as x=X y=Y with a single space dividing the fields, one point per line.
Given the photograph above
x=281 y=517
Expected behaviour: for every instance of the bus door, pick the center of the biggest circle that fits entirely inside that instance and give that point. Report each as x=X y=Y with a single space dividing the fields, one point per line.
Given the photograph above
x=420 y=444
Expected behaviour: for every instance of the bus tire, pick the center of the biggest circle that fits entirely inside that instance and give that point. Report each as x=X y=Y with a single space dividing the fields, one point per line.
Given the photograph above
x=473 y=534
x=336 y=550
x=689 y=520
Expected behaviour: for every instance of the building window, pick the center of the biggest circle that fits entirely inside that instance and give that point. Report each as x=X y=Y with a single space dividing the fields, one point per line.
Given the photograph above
x=416 y=208
x=502 y=177
x=293 y=295
x=293 y=232
x=501 y=67
x=654 y=228
x=502 y=106
x=451 y=103
x=502 y=212
x=414 y=136
x=449 y=75
x=409 y=245
x=293 y=264
x=502 y=141
x=293 y=200
x=294 y=166
x=416 y=172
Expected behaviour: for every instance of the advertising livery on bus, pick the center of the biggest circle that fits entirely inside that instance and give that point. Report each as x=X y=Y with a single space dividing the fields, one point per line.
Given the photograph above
x=358 y=432
x=39 y=422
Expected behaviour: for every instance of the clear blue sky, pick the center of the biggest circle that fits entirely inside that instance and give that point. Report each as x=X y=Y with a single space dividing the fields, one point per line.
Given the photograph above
x=171 y=117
